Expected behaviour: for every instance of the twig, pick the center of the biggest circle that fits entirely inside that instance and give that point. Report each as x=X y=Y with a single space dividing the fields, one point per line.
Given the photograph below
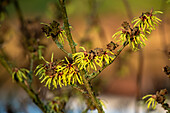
x=95 y=74
x=34 y=97
x=29 y=90
x=66 y=26
x=56 y=41
x=30 y=74
x=79 y=89
x=91 y=94
x=19 y=12
x=5 y=64
x=21 y=19
x=23 y=27
x=85 y=111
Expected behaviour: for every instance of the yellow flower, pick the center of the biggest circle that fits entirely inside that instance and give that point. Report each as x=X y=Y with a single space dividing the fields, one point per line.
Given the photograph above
x=50 y=73
x=137 y=40
x=72 y=74
x=60 y=73
x=99 y=60
x=20 y=74
x=151 y=101
x=84 y=61
x=62 y=36
x=147 y=21
x=121 y=35
x=134 y=37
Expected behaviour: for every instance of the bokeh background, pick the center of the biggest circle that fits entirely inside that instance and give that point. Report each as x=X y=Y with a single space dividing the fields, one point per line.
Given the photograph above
x=93 y=24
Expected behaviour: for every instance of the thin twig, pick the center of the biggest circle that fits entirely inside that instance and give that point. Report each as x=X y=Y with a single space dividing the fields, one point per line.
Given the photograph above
x=21 y=19
x=23 y=27
x=19 y=13
x=85 y=111
x=4 y=63
x=79 y=89
x=34 y=97
x=30 y=75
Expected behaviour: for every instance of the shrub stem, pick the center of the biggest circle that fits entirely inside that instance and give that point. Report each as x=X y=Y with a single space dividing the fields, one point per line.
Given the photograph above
x=91 y=95
x=66 y=26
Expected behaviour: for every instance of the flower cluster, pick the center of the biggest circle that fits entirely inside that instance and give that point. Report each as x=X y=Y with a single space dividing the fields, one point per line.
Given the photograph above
x=136 y=35
x=53 y=30
x=147 y=21
x=151 y=101
x=166 y=69
x=97 y=57
x=19 y=74
x=133 y=35
x=58 y=73
x=159 y=97
x=64 y=72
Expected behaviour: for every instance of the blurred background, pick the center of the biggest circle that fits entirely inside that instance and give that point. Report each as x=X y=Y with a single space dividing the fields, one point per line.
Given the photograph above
x=131 y=76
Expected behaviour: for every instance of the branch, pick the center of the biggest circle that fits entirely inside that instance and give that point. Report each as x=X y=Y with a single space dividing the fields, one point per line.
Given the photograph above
x=30 y=74
x=19 y=13
x=91 y=94
x=5 y=65
x=66 y=26
x=95 y=74
x=79 y=89
x=29 y=90
x=34 y=97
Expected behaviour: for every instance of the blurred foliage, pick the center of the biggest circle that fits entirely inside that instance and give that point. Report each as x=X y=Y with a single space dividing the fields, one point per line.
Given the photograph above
x=40 y=7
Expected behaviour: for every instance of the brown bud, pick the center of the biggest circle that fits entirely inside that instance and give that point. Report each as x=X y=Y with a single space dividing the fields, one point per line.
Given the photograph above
x=52 y=29
x=160 y=99
x=46 y=29
x=112 y=46
x=125 y=25
x=166 y=69
x=136 y=31
x=98 y=51
x=91 y=54
x=160 y=96
x=163 y=92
